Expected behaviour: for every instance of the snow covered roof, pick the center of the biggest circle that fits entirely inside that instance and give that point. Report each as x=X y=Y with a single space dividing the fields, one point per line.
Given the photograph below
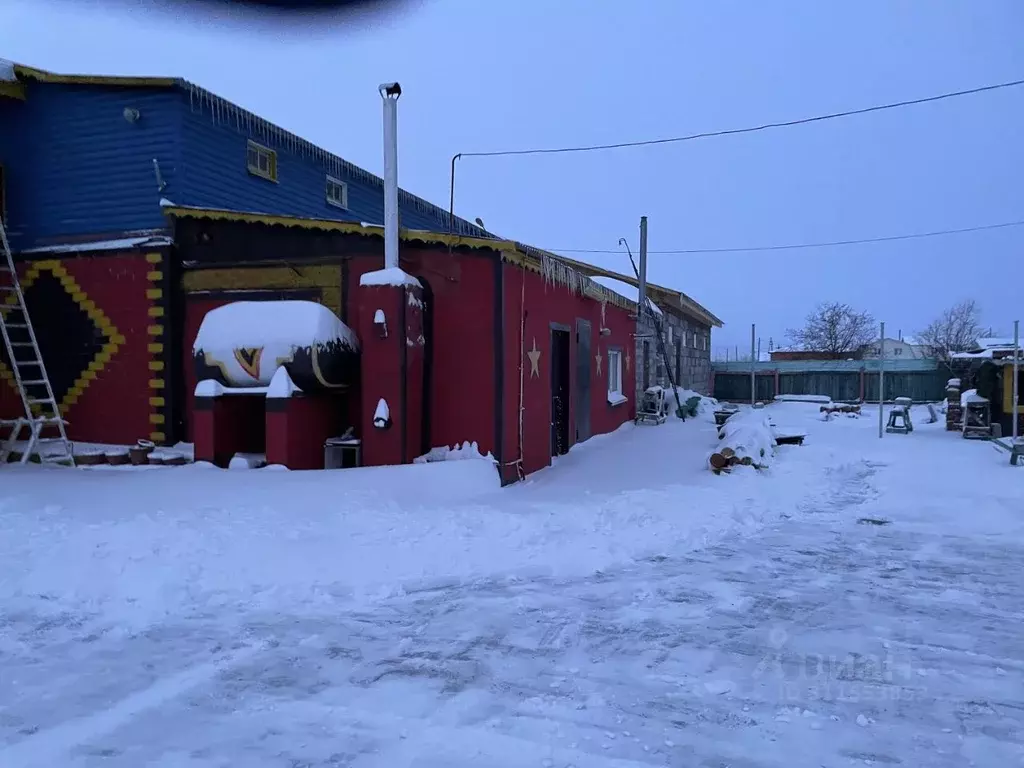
x=631 y=292
x=116 y=244
x=992 y=342
x=666 y=297
x=7 y=71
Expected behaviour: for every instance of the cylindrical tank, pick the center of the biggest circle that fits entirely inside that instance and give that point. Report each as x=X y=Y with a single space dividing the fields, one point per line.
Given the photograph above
x=242 y=344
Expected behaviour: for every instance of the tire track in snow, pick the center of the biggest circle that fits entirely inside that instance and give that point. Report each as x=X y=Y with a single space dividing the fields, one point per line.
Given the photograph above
x=45 y=748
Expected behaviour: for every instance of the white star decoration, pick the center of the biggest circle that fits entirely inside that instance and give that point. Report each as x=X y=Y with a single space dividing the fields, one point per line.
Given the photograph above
x=534 y=355
x=598 y=358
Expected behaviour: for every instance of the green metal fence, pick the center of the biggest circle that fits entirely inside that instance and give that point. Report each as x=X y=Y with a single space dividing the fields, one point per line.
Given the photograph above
x=841 y=380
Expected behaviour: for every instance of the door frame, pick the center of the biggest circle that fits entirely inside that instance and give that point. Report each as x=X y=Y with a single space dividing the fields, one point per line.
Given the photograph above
x=553 y=329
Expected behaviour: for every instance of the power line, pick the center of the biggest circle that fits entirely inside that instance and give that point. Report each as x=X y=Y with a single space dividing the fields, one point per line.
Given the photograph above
x=796 y=246
x=749 y=129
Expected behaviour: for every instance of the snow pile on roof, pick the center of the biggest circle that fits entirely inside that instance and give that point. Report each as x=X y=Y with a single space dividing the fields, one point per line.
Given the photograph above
x=993 y=342
x=7 y=71
x=625 y=290
x=249 y=324
x=391 y=276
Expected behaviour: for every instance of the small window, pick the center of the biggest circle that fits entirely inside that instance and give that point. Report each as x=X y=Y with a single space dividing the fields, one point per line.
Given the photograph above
x=261 y=161
x=705 y=343
x=898 y=351
x=670 y=334
x=615 y=394
x=337 y=193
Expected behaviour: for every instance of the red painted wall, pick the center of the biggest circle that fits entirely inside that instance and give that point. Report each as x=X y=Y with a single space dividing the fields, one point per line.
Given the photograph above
x=463 y=349
x=298 y=427
x=114 y=406
x=544 y=304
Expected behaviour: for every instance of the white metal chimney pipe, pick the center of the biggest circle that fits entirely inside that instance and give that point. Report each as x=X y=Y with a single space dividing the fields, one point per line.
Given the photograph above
x=390 y=92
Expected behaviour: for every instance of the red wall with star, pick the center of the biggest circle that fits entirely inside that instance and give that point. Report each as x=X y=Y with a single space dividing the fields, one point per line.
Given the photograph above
x=90 y=314
x=531 y=306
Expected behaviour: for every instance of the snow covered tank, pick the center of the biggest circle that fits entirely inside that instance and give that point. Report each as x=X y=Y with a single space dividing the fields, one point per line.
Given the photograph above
x=242 y=344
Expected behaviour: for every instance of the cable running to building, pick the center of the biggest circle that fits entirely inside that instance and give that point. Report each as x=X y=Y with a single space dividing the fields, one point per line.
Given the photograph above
x=796 y=246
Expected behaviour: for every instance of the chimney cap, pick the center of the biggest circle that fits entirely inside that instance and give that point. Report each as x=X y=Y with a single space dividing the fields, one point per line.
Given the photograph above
x=388 y=90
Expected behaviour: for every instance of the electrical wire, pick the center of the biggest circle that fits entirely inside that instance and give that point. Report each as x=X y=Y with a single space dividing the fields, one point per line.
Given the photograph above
x=749 y=129
x=795 y=246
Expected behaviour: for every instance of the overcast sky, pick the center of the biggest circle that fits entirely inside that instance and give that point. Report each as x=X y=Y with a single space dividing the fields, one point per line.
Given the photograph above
x=507 y=74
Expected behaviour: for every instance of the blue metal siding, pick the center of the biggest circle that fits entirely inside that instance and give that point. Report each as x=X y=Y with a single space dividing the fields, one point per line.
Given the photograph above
x=74 y=166
x=215 y=176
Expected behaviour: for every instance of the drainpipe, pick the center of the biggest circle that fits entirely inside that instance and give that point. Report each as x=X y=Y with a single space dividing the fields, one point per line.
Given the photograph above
x=390 y=92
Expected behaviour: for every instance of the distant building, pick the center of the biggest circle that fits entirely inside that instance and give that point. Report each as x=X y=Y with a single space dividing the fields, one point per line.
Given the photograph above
x=906 y=348
x=809 y=354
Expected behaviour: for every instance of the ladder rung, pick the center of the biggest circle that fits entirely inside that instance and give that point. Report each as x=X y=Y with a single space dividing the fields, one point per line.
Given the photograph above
x=37 y=363
x=41 y=401
x=17 y=325
x=33 y=382
x=21 y=343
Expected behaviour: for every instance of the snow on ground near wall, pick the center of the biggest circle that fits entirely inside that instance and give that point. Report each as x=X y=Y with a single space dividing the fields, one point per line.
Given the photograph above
x=857 y=603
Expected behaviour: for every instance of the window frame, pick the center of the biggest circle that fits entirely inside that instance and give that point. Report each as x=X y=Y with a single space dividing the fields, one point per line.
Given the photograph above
x=331 y=180
x=261 y=150
x=614 y=358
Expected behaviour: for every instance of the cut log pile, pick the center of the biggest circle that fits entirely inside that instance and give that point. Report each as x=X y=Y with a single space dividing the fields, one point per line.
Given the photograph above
x=954 y=409
x=850 y=410
x=747 y=439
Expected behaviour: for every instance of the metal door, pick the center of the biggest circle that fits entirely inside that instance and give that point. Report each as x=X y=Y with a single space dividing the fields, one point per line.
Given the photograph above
x=583 y=362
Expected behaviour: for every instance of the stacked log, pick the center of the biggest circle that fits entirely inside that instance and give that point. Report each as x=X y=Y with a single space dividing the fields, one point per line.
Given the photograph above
x=954 y=410
x=748 y=439
x=847 y=408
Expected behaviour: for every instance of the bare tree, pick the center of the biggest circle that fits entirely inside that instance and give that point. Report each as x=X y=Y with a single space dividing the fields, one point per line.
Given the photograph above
x=955 y=330
x=835 y=328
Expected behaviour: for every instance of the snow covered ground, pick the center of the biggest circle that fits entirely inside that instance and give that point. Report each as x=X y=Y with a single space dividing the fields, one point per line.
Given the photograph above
x=857 y=603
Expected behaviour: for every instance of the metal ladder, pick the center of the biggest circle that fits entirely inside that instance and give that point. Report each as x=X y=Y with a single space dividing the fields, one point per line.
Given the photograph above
x=42 y=417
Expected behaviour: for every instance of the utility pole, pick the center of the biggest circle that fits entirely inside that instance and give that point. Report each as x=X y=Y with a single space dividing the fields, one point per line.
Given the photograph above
x=753 y=365
x=881 y=380
x=642 y=289
x=1016 y=376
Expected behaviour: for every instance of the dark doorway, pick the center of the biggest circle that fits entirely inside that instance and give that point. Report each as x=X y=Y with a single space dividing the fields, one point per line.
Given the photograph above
x=647 y=364
x=559 y=391
x=582 y=380
x=428 y=367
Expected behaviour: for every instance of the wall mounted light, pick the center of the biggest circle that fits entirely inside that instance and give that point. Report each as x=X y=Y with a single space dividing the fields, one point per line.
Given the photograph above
x=131 y=114
x=381 y=323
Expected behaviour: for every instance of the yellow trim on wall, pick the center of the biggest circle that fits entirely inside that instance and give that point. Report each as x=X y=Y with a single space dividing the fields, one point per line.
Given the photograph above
x=1008 y=390
x=155 y=349
x=325 y=279
x=329 y=225
x=114 y=339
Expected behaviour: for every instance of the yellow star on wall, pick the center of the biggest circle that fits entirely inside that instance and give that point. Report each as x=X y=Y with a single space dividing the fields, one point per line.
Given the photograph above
x=598 y=359
x=534 y=355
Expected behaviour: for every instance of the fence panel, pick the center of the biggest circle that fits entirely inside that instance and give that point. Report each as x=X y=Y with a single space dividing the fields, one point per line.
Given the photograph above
x=921 y=386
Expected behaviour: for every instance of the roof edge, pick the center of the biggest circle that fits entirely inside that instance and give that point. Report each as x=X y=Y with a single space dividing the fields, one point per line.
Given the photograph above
x=676 y=298
x=334 y=225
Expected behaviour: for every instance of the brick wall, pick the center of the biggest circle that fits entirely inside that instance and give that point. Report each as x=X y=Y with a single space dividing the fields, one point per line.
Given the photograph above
x=684 y=338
